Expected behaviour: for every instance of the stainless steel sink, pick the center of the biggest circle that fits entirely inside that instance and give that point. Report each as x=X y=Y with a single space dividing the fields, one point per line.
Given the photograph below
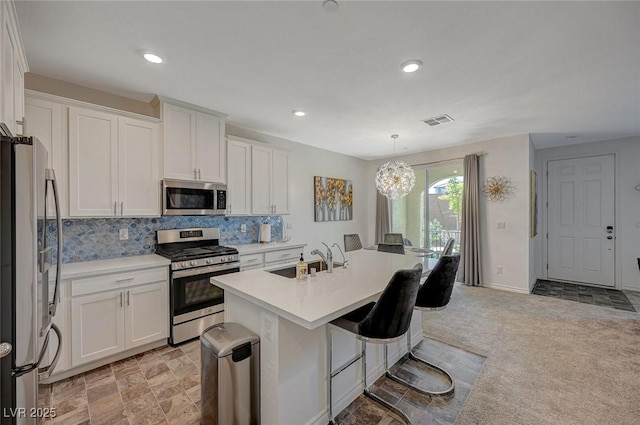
x=290 y=271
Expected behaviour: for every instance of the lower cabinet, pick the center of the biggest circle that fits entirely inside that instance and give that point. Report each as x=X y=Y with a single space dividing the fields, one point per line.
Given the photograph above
x=109 y=322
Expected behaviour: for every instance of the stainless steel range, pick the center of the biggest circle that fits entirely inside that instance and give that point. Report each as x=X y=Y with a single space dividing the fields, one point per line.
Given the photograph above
x=195 y=256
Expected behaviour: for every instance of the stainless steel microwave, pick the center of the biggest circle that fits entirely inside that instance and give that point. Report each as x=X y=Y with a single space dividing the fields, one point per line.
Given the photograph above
x=180 y=197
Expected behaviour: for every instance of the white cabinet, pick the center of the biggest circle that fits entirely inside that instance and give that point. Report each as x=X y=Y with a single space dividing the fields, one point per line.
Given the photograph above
x=113 y=167
x=114 y=313
x=97 y=326
x=138 y=168
x=146 y=314
x=13 y=65
x=193 y=142
x=44 y=120
x=269 y=181
x=239 y=177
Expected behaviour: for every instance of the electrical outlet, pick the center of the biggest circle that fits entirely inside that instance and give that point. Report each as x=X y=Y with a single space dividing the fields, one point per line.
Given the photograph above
x=502 y=225
x=289 y=226
x=499 y=269
x=243 y=228
x=123 y=234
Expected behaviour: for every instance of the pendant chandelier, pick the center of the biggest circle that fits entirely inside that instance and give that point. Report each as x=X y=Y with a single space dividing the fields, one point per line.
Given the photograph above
x=395 y=179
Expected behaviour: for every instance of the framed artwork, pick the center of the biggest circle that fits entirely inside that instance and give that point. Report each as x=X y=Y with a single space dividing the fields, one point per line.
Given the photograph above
x=333 y=199
x=533 y=214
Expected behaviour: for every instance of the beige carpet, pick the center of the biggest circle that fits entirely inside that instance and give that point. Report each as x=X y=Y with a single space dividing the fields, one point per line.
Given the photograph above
x=549 y=361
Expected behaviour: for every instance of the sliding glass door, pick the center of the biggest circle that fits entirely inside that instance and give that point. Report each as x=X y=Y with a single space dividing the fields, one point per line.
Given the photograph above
x=430 y=214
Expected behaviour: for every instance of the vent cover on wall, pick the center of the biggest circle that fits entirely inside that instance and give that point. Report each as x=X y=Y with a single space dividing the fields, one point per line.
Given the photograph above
x=438 y=120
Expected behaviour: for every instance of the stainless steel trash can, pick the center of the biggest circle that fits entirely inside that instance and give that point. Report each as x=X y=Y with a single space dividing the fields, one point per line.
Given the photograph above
x=230 y=375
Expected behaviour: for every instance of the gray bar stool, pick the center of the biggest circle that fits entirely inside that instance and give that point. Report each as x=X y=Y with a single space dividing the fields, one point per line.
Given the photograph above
x=382 y=322
x=434 y=294
x=352 y=242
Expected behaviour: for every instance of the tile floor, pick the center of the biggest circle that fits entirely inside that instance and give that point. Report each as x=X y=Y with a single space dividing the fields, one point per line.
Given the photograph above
x=162 y=386
x=465 y=367
x=584 y=294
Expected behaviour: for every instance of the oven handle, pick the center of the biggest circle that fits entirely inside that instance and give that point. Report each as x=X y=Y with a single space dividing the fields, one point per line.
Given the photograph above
x=204 y=270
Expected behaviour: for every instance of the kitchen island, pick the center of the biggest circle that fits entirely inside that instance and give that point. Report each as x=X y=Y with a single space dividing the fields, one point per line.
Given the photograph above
x=291 y=318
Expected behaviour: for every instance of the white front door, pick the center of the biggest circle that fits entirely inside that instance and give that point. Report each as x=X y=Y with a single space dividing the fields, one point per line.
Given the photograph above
x=581 y=241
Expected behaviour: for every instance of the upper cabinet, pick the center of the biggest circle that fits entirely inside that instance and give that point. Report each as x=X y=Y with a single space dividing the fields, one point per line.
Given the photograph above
x=13 y=65
x=193 y=142
x=238 y=177
x=113 y=165
x=44 y=120
x=269 y=180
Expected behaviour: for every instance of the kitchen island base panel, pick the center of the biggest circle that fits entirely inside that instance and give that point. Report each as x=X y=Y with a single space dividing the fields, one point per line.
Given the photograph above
x=294 y=366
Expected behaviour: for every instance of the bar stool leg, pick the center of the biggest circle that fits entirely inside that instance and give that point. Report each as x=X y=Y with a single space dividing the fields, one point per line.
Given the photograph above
x=375 y=397
x=443 y=372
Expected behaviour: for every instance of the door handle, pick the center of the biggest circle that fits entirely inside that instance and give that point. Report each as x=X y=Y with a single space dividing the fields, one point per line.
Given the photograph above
x=5 y=349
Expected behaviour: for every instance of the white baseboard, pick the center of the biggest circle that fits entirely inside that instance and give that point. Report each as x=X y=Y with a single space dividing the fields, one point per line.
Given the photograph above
x=505 y=288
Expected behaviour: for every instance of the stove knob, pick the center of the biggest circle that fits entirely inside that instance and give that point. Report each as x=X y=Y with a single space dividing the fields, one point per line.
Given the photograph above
x=184 y=264
x=194 y=263
x=209 y=261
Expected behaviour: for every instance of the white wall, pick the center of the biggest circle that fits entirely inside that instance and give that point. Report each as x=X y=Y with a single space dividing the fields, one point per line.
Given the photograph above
x=509 y=248
x=307 y=162
x=627 y=153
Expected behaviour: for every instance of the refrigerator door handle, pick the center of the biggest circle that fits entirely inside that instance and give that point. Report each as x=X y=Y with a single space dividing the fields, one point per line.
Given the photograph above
x=53 y=306
x=45 y=372
x=22 y=370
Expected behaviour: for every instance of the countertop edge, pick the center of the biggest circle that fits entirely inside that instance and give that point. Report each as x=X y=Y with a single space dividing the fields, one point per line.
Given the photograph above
x=111 y=265
x=260 y=248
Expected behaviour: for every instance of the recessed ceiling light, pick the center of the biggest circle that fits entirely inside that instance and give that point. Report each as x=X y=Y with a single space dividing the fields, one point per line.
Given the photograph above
x=330 y=5
x=152 y=57
x=411 y=66
x=298 y=113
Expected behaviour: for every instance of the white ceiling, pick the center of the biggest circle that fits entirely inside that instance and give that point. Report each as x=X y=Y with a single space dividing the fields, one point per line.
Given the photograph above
x=552 y=69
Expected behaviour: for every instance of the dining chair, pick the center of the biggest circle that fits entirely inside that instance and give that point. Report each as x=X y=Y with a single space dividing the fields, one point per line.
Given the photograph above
x=393 y=248
x=352 y=242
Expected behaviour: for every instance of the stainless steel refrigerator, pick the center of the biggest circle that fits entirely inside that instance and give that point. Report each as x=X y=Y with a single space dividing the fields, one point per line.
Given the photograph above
x=26 y=307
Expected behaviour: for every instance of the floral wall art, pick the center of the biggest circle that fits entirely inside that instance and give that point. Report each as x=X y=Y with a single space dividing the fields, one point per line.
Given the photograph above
x=333 y=199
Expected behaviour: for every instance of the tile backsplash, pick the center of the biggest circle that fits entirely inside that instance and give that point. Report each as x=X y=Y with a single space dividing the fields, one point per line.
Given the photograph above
x=97 y=239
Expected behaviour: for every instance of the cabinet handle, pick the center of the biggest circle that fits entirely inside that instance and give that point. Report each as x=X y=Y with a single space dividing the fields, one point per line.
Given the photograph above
x=19 y=122
x=128 y=303
x=251 y=260
x=275 y=208
x=122 y=208
x=120 y=299
x=124 y=280
x=115 y=207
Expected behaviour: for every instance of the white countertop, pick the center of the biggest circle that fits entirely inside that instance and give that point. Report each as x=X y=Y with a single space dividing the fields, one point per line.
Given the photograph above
x=325 y=297
x=255 y=248
x=112 y=265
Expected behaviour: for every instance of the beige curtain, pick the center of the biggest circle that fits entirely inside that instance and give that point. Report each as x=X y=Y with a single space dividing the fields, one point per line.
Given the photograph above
x=470 y=271
x=382 y=217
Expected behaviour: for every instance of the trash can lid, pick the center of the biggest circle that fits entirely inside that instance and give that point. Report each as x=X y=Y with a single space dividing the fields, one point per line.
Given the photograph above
x=222 y=338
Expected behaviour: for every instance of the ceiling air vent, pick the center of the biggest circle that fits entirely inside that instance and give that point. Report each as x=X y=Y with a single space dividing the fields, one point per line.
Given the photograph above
x=442 y=119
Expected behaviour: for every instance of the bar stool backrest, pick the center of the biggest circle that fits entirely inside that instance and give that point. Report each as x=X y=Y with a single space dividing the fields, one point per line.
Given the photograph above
x=352 y=242
x=448 y=247
x=390 y=317
x=393 y=238
x=436 y=290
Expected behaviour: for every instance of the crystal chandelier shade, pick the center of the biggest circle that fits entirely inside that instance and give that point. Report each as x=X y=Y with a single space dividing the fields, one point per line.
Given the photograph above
x=395 y=179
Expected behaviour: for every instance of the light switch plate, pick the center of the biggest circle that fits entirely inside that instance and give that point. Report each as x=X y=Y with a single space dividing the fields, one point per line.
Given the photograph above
x=499 y=269
x=123 y=234
x=502 y=225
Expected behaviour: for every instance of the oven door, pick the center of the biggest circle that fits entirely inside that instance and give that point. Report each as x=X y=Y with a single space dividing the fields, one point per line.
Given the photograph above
x=193 y=295
x=188 y=198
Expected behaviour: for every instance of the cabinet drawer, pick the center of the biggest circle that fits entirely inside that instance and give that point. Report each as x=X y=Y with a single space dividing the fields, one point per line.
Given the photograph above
x=289 y=254
x=118 y=280
x=250 y=260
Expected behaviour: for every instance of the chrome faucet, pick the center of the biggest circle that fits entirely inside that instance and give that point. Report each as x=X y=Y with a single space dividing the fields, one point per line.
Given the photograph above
x=345 y=262
x=329 y=259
